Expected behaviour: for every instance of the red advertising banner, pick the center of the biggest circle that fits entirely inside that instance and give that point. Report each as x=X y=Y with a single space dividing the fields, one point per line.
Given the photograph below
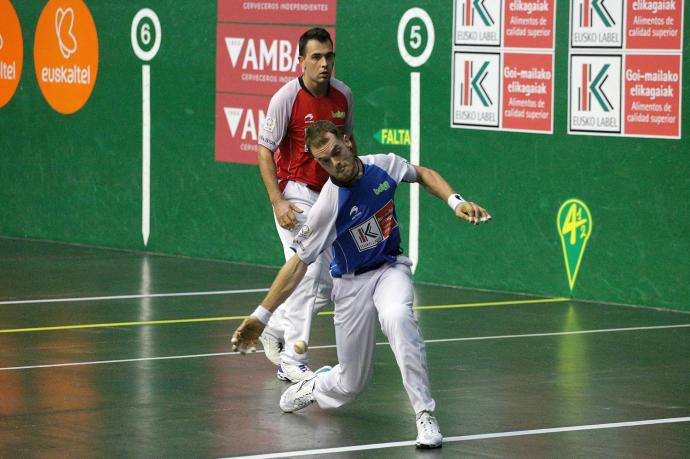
x=527 y=92
x=253 y=61
x=634 y=91
x=512 y=88
x=278 y=11
x=238 y=121
x=257 y=59
x=654 y=24
x=652 y=95
x=529 y=24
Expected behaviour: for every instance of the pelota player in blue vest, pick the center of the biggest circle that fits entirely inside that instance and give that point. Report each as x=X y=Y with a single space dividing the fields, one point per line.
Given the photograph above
x=355 y=218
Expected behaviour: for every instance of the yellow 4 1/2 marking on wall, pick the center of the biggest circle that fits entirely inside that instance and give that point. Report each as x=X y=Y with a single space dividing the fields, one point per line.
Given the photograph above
x=574 y=223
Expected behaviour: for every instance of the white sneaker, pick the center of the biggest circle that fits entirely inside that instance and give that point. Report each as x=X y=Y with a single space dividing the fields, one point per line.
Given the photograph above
x=280 y=374
x=298 y=396
x=428 y=433
x=294 y=372
x=273 y=346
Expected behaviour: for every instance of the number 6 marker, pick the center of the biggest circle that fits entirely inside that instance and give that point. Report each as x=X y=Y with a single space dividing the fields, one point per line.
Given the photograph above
x=141 y=29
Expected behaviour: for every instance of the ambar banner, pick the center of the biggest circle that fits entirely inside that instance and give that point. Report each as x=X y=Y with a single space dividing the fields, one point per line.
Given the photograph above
x=282 y=12
x=255 y=58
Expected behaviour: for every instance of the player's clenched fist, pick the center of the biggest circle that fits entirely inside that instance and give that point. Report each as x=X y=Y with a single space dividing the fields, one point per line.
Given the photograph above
x=285 y=214
x=247 y=334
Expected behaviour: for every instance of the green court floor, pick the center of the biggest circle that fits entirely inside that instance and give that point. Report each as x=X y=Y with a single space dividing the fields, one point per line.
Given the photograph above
x=108 y=353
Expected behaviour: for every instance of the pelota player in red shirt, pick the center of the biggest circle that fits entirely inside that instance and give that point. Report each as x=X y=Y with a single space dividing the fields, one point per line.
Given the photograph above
x=293 y=181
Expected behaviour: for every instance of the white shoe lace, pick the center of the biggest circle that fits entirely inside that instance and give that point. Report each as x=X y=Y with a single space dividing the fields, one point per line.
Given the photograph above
x=429 y=426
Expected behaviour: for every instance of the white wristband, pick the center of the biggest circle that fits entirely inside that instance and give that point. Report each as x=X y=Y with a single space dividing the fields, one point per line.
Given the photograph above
x=454 y=200
x=262 y=314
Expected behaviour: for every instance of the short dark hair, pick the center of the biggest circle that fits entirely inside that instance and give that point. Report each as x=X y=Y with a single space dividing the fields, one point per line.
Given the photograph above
x=316 y=33
x=316 y=133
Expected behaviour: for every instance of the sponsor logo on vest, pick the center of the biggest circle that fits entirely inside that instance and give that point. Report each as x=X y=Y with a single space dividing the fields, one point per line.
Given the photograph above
x=269 y=124
x=381 y=188
x=375 y=229
x=367 y=235
x=338 y=114
x=305 y=232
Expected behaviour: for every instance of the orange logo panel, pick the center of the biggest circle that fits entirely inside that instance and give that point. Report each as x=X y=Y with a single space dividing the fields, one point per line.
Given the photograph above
x=11 y=51
x=66 y=54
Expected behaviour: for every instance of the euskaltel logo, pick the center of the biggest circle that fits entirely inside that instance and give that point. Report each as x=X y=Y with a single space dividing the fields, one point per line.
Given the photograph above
x=66 y=54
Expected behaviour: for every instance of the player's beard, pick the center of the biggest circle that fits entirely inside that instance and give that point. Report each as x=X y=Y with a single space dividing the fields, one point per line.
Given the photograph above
x=350 y=173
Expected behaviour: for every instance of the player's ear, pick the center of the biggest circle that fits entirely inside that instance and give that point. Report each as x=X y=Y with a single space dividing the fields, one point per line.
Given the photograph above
x=347 y=141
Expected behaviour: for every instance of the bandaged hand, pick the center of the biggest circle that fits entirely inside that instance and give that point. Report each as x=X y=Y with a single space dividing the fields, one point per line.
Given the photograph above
x=472 y=213
x=247 y=334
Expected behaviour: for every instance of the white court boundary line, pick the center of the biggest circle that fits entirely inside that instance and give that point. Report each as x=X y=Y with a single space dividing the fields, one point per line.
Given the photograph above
x=127 y=297
x=516 y=433
x=330 y=346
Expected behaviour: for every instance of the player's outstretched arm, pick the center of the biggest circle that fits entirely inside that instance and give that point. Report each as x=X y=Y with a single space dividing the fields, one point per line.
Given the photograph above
x=285 y=282
x=437 y=185
x=288 y=278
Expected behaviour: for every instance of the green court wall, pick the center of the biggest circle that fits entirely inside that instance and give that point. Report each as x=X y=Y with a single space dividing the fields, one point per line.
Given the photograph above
x=77 y=178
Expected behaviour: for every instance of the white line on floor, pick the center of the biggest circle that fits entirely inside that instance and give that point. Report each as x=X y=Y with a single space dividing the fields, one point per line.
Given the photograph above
x=577 y=332
x=329 y=346
x=516 y=433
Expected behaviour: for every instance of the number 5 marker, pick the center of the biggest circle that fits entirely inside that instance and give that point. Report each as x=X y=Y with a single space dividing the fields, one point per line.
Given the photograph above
x=415 y=42
x=145 y=43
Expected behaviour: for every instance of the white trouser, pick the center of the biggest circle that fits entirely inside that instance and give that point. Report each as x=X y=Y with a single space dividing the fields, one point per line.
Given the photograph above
x=385 y=293
x=292 y=319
